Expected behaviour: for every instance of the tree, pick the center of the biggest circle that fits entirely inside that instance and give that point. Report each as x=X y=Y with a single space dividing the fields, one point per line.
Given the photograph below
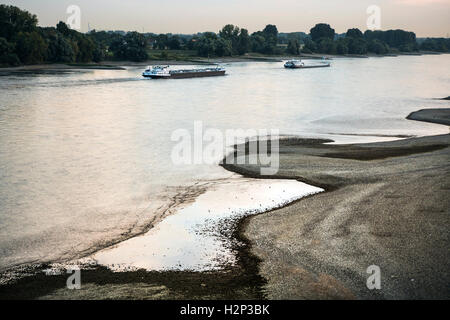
x=31 y=47
x=133 y=46
x=222 y=47
x=257 y=42
x=354 y=33
x=310 y=46
x=59 y=49
x=7 y=55
x=174 y=43
x=342 y=46
x=161 y=41
x=63 y=29
x=378 y=47
x=232 y=34
x=293 y=47
x=14 y=20
x=265 y=41
x=326 y=45
x=86 y=49
x=357 y=46
x=229 y=32
x=436 y=44
x=243 y=42
x=393 y=38
x=271 y=31
x=206 y=45
x=322 y=30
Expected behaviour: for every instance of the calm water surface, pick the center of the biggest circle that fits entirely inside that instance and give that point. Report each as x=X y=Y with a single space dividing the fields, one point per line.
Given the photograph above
x=85 y=155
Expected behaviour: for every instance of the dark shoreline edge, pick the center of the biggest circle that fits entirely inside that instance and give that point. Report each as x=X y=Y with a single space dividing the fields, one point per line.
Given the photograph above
x=439 y=115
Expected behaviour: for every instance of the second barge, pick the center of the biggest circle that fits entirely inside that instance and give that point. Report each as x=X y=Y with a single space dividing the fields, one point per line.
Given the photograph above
x=298 y=64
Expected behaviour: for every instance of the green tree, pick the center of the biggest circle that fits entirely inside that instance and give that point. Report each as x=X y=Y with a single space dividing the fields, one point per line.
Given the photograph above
x=31 y=47
x=174 y=43
x=257 y=42
x=310 y=46
x=223 y=47
x=243 y=42
x=161 y=42
x=59 y=48
x=14 y=20
x=322 y=30
x=377 y=46
x=354 y=33
x=86 y=49
x=436 y=44
x=206 y=45
x=342 y=46
x=133 y=47
x=233 y=34
x=393 y=38
x=326 y=45
x=7 y=55
x=63 y=29
x=271 y=31
x=357 y=46
x=265 y=41
x=293 y=47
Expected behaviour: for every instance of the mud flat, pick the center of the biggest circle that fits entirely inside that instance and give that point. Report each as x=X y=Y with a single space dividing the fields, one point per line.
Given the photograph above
x=387 y=204
x=441 y=116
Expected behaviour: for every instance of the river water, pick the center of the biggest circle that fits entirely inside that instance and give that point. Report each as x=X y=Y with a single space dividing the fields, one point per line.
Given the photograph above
x=85 y=156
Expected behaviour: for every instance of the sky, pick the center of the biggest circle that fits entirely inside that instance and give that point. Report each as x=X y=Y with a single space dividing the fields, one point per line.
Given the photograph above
x=427 y=18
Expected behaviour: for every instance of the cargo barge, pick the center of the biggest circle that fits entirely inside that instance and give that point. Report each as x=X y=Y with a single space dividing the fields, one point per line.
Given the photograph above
x=163 y=72
x=298 y=64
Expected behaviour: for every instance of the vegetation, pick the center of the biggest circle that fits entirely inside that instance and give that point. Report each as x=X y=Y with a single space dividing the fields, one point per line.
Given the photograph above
x=23 y=42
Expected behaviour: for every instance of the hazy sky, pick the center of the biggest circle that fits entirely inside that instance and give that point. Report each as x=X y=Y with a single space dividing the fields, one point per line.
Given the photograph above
x=425 y=17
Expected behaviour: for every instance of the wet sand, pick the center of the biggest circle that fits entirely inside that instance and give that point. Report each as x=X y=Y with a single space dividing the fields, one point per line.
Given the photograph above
x=387 y=204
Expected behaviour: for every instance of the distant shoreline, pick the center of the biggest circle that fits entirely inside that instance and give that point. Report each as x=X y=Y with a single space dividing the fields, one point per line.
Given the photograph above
x=120 y=65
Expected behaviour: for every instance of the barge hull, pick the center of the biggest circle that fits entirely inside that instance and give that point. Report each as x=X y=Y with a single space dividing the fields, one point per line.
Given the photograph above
x=183 y=75
x=308 y=67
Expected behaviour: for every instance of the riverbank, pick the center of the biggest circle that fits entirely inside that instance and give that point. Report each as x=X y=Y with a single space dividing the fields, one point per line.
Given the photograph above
x=121 y=65
x=386 y=204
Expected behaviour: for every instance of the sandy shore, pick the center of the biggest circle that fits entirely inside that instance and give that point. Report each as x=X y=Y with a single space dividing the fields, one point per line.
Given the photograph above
x=387 y=204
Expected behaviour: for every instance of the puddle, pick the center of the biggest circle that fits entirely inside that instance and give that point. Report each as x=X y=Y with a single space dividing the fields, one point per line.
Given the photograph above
x=190 y=239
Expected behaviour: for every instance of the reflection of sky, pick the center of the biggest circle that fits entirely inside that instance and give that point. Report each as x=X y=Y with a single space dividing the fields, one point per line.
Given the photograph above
x=425 y=17
x=181 y=241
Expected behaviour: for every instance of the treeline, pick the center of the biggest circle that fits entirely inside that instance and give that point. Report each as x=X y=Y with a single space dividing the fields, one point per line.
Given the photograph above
x=232 y=40
x=23 y=42
x=323 y=39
